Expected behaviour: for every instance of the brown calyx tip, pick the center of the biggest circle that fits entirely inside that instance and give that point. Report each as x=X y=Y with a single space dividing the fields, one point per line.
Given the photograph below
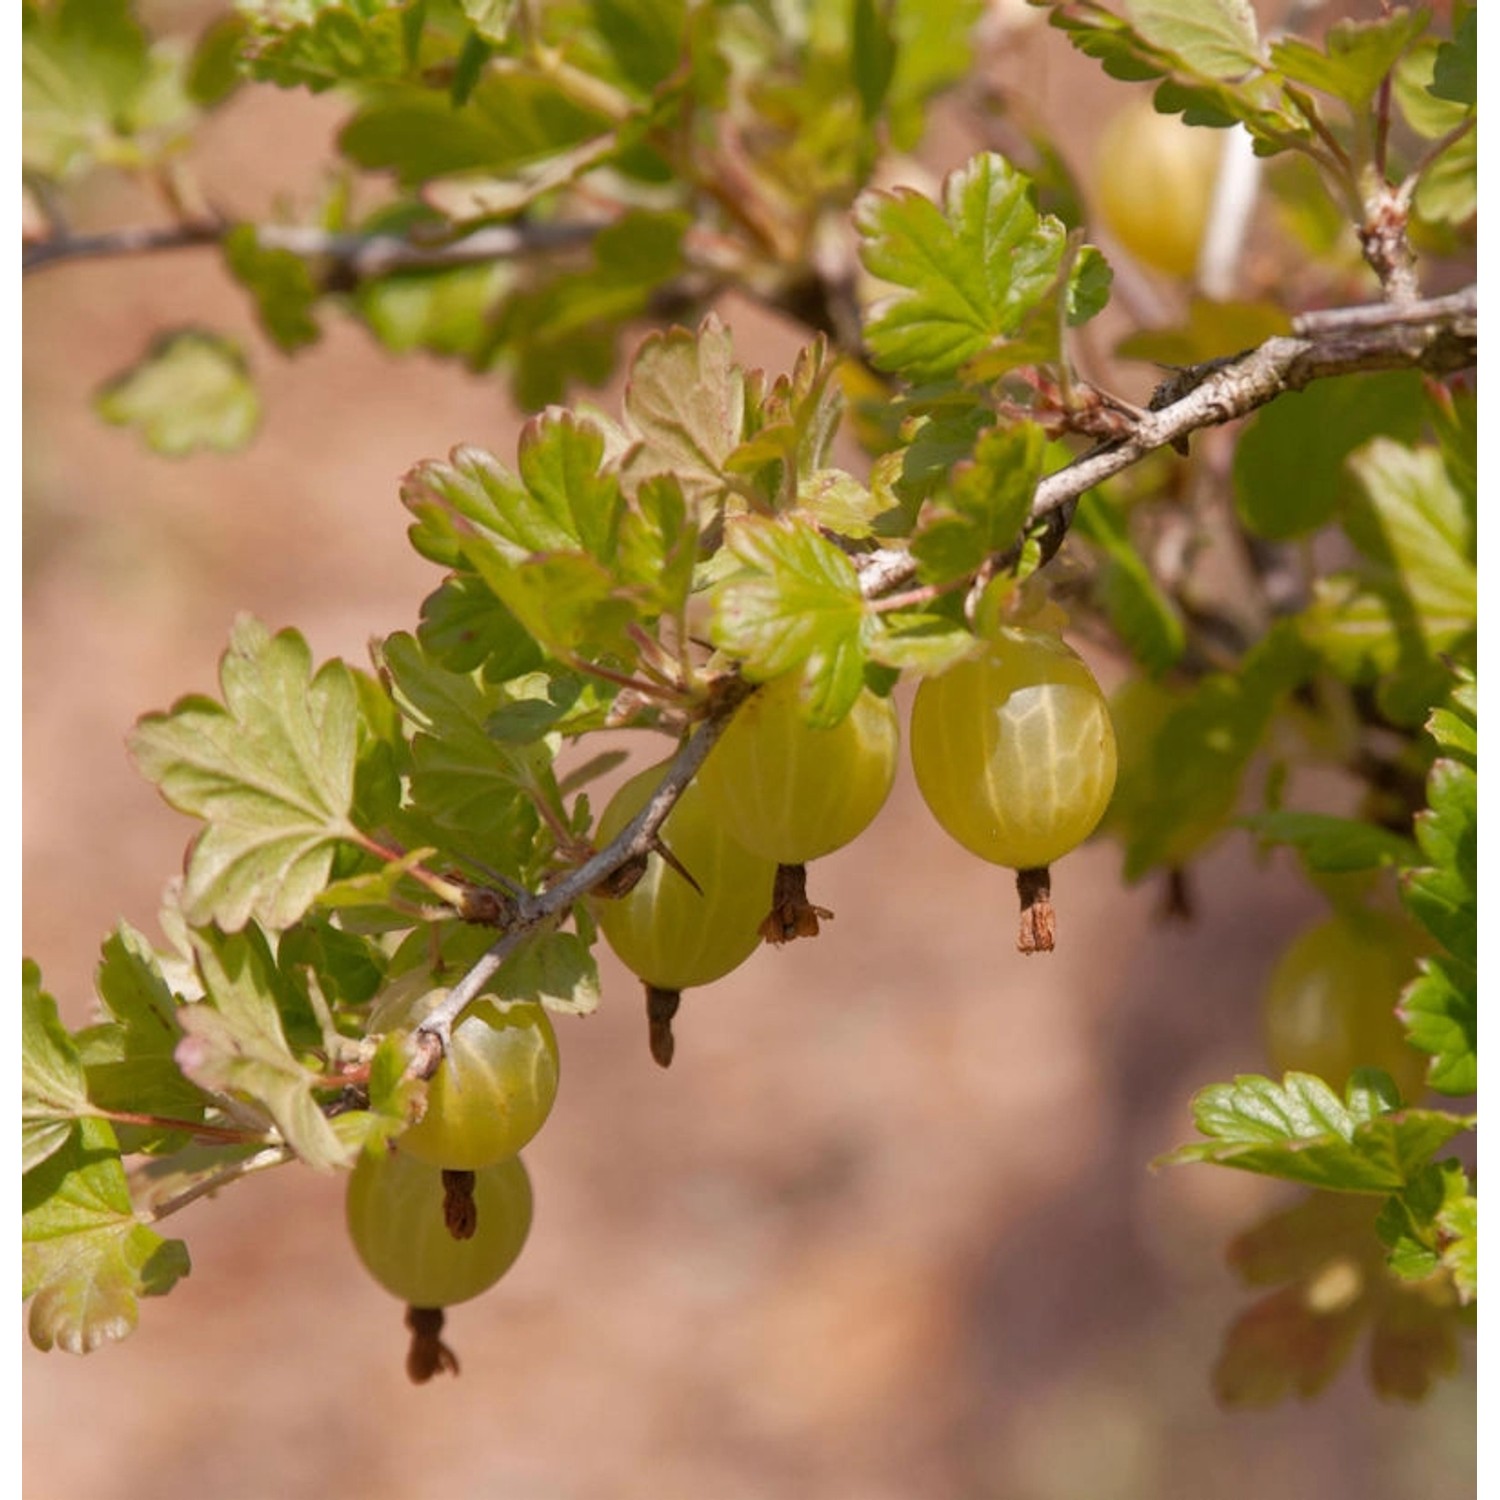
x=460 y=1212
x=428 y=1355
x=1176 y=903
x=621 y=882
x=1038 y=933
x=661 y=1006
x=792 y=915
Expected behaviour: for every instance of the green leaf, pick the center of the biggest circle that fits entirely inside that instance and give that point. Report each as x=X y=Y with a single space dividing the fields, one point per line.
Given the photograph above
x=985 y=506
x=685 y=402
x=513 y=119
x=465 y=627
x=281 y=283
x=130 y=1059
x=319 y=43
x=473 y=795
x=560 y=324
x=1143 y=616
x=1291 y=462
x=1331 y=845
x=271 y=774
x=794 y=427
x=235 y=1043
x=54 y=1091
x=1355 y=56
x=446 y=311
x=555 y=969
x=395 y=1100
x=213 y=71
x=966 y=273
x=190 y=390
x=1181 y=789
x=93 y=91
x=1442 y=894
x=1432 y=1226
x=1217 y=38
x=873 y=52
x=1455 y=74
x=794 y=604
x=490 y=18
x=85 y=1257
x=1299 y=1130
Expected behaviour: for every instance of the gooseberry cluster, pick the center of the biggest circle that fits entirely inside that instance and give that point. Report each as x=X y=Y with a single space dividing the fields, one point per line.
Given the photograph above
x=441 y=1215
x=1014 y=754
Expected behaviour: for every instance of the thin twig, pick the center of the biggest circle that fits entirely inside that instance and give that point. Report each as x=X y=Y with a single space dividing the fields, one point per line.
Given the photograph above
x=638 y=837
x=360 y=256
x=1439 y=335
x=272 y=1156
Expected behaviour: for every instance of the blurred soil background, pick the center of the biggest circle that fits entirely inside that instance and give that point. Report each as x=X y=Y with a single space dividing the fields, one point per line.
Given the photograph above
x=886 y=1229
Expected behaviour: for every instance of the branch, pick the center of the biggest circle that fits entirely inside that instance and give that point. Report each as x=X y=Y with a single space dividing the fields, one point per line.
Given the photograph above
x=1439 y=335
x=532 y=912
x=356 y=256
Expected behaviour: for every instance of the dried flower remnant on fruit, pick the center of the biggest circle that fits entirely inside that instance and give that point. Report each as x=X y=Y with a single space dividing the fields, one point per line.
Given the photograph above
x=428 y=1354
x=460 y=1212
x=661 y=1007
x=792 y=915
x=1014 y=754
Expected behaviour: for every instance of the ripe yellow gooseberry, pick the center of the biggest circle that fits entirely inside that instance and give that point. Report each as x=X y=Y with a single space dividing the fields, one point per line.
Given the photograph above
x=1154 y=181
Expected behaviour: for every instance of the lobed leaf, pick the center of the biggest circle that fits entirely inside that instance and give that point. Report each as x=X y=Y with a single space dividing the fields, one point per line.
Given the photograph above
x=281 y=283
x=983 y=509
x=190 y=390
x=1300 y=1130
x=271 y=773
x=1331 y=845
x=54 y=1091
x=86 y=1259
x=966 y=271
x=685 y=403
x=794 y=605
x=235 y=1043
x=1354 y=58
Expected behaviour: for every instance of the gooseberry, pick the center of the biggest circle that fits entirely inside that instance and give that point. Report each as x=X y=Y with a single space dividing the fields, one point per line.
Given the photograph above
x=493 y=1089
x=1014 y=755
x=671 y=932
x=1330 y=1004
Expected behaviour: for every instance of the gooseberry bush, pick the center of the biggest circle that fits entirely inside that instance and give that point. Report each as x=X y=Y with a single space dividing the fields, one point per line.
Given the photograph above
x=401 y=869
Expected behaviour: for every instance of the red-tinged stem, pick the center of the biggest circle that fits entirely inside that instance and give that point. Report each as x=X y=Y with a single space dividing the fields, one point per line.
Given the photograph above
x=227 y=1134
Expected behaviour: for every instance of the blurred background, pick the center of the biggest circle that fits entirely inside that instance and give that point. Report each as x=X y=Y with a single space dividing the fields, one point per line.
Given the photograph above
x=886 y=1230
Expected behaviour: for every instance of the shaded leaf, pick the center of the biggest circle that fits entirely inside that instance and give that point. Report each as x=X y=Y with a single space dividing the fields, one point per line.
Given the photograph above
x=1144 y=618
x=983 y=509
x=685 y=402
x=281 y=283
x=1328 y=844
x=1290 y=464
x=235 y=1043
